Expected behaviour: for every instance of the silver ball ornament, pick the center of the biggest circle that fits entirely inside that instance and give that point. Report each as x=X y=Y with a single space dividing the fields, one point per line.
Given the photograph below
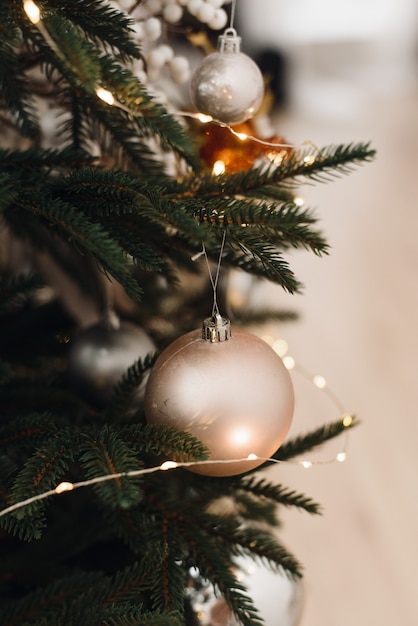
x=101 y=354
x=227 y=84
x=231 y=392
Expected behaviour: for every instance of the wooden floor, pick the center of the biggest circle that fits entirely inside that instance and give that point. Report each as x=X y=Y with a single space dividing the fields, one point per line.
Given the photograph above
x=359 y=329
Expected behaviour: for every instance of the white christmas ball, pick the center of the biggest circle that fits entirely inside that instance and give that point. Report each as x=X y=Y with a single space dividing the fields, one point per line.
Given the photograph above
x=227 y=84
x=235 y=396
x=101 y=354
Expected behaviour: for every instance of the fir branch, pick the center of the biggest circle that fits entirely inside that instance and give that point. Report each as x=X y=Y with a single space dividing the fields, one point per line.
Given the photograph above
x=45 y=603
x=40 y=473
x=305 y=443
x=15 y=94
x=125 y=390
x=215 y=565
x=75 y=51
x=164 y=441
x=104 y=452
x=257 y=543
x=24 y=432
x=135 y=617
x=284 y=225
x=84 y=234
x=24 y=163
x=254 y=256
x=164 y=577
x=101 y=23
x=324 y=165
x=260 y=488
x=8 y=191
x=150 y=118
x=16 y=290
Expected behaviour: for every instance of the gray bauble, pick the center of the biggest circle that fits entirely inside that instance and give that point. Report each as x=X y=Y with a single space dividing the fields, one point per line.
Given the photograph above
x=101 y=354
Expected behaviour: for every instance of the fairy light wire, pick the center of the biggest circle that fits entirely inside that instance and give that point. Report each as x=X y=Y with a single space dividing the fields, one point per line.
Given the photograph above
x=66 y=486
x=105 y=95
x=34 y=15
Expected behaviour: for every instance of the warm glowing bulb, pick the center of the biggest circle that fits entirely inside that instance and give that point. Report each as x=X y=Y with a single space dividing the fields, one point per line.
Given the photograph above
x=32 y=11
x=347 y=420
x=64 y=486
x=280 y=347
x=205 y=119
x=218 y=168
x=306 y=464
x=289 y=362
x=252 y=457
x=320 y=382
x=241 y=136
x=341 y=457
x=299 y=201
x=168 y=465
x=105 y=95
x=309 y=160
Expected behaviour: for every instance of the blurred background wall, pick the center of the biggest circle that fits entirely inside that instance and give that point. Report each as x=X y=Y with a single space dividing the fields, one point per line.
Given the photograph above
x=351 y=70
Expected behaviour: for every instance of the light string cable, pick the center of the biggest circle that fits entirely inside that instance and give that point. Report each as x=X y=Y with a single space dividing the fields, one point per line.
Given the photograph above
x=347 y=420
x=34 y=14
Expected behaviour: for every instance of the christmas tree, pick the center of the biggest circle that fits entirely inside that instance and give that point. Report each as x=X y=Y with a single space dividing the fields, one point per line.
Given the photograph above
x=113 y=215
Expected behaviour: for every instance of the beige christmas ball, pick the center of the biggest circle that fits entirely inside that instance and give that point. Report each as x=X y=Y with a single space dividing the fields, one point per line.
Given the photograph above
x=230 y=390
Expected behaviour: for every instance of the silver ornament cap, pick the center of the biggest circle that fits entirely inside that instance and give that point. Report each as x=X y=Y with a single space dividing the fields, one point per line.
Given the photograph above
x=216 y=329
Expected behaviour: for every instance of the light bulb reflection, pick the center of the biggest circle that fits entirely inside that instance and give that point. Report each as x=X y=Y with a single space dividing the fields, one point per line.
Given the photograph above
x=240 y=436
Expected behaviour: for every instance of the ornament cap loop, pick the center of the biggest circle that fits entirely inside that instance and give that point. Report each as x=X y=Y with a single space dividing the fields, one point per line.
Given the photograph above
x=229 y=42
x=216 y=329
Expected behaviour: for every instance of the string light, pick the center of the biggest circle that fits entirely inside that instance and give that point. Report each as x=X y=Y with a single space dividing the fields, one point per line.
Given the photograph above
x=34 y=14
x=279 y=345
x=32 y=11
x=105 y=95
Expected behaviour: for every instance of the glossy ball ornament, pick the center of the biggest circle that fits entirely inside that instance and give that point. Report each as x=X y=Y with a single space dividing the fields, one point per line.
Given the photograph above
x=101 y=354
x=231 y=391
x=227 y=84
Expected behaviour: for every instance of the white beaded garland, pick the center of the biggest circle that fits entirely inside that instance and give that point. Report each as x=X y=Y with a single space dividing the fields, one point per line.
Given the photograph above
x=215 y=3
x=205 y=13
x=194 y=6
x=154 y=6
x=180 y=69
x=172 y=13
x=152 y=28
x=219 y=20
